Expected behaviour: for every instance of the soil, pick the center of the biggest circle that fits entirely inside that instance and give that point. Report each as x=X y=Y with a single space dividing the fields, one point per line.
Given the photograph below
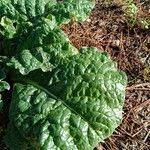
x=108 y=29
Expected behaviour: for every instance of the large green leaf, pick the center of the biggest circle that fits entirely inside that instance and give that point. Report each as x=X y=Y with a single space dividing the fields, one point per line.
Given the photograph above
x=17 y=14
x=24 y=10
x=28 y=10
x=62 y=98
x=66 y=10
x=73 y=107
x=38 y=42
x=43 y=48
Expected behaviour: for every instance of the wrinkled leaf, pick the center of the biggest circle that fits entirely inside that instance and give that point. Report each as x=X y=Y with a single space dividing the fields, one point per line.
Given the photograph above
x=24 y=10
x=74 y=107
x=66 y=10
x=8 y=29
x=62 y=98
x=19 y=13
x=49 y=46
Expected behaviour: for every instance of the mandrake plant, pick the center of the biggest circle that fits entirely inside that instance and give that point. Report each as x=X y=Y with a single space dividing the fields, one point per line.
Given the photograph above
x=62 y=98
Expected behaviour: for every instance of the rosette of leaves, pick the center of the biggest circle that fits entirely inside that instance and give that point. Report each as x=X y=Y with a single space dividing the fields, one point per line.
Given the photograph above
x=62 y=98
x=134 y=17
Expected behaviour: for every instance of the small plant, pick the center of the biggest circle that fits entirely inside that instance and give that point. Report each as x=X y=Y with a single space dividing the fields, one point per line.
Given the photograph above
x=62 y=98
x=133 y=17
x=131 y=12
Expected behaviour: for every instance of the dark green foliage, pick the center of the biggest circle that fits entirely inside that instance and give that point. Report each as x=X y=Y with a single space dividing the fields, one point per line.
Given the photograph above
x=62 y=98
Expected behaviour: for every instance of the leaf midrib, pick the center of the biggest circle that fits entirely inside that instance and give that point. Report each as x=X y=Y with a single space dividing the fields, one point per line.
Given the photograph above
x=35 y=84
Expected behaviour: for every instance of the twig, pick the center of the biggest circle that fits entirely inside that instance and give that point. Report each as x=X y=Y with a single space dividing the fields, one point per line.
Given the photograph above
x=139 y=85
x=142 y=105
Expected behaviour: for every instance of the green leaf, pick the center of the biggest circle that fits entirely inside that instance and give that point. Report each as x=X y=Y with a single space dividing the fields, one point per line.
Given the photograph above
x=43 y=48
x=24 y=10
x=28 y=10
x=62 y=98
x=73 y=107
x=37 y=41
x=17 y=15
x=66 y=10
x=4 y=85
x=8 y=29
